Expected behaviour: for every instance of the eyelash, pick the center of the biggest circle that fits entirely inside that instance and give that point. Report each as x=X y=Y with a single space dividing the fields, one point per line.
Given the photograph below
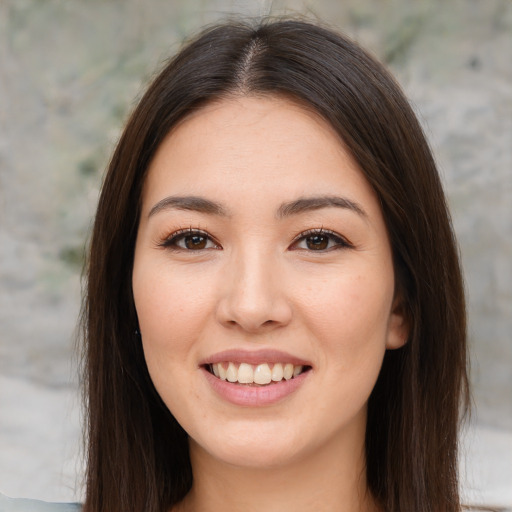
x=340 y=242
x=171 y=242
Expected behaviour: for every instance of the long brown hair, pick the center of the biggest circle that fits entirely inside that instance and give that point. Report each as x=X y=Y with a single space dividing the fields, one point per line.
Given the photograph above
x=137 y=454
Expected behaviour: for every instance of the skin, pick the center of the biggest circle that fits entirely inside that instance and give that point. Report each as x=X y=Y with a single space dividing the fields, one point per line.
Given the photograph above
x=257 y=283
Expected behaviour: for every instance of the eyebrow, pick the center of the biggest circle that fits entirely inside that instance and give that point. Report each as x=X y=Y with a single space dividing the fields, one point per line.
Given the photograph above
x=192 y=203
x=307 y=204
x=296 y=207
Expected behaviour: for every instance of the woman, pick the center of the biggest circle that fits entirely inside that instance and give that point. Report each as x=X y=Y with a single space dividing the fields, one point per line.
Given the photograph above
x=274 y=315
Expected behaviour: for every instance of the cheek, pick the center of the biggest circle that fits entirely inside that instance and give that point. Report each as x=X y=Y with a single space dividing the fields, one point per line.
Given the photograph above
x=168 y=314
x=168 y=299
x=349 y=317
x=350 y=300
x=170 y=321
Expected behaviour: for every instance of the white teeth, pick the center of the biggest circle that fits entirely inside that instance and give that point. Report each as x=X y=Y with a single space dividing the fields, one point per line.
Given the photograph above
x=262 y=374
x=277 y=372
x=245 y=373
x=232 y=373
x=221 y=370
x=288 y=371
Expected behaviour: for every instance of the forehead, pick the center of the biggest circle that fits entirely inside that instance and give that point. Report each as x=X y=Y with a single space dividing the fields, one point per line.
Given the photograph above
x=253 y=147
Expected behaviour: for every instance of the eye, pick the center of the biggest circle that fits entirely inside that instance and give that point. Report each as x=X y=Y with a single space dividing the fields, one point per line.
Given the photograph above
x=319 y=240
x=190 y=240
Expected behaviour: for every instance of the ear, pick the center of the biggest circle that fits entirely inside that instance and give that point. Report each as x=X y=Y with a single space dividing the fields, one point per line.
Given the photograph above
x=398 y=324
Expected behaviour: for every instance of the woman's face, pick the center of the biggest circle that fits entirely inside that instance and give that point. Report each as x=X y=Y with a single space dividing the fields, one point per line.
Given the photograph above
x=263 y=283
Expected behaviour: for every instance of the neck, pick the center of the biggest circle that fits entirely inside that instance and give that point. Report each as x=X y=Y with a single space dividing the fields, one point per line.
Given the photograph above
x=328 y=480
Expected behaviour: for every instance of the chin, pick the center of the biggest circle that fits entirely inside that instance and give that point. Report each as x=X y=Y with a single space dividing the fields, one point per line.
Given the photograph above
x=252 y=447
x=255 y=457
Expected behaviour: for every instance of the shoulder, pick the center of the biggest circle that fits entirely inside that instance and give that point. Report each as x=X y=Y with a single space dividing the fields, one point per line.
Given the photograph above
x=22 y=505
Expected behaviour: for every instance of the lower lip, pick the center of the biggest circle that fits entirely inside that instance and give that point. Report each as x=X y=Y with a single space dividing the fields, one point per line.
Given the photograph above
x=254 y=396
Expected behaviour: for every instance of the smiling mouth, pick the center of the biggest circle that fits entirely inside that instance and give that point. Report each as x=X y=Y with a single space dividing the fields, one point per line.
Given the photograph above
x=256 y=375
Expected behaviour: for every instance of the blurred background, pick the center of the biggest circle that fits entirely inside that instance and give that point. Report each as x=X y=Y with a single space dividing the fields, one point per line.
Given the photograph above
x=71 y=71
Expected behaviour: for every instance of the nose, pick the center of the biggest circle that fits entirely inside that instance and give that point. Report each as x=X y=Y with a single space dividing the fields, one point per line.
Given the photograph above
x=254 y=295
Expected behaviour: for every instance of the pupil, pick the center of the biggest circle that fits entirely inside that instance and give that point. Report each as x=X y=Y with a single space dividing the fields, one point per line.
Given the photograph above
x=317 y=242
x=195 y=242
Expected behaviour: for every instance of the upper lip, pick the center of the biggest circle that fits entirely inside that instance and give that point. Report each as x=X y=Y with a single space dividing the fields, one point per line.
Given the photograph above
x=254 y=357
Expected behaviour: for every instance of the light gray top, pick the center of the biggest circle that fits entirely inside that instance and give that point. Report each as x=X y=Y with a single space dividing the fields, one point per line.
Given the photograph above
x=23 y=505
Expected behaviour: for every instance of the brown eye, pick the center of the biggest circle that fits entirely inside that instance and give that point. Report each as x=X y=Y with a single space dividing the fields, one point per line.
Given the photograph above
x=320 y=240
x=317 y=242
x=190 y=240
x=195 y=242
